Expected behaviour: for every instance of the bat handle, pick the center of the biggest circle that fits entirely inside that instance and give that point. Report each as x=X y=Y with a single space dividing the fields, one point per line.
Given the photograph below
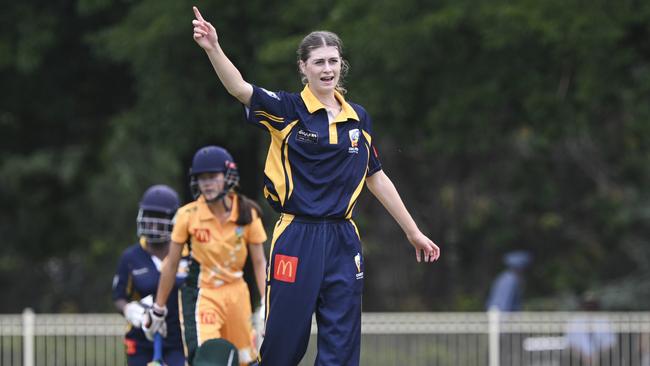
x=157 y=347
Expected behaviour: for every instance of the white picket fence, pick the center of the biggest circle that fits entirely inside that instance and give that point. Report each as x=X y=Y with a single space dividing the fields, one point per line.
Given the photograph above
x=427 y=339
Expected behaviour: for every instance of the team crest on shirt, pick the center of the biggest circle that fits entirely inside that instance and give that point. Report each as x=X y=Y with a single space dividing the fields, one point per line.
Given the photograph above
x=354 y=141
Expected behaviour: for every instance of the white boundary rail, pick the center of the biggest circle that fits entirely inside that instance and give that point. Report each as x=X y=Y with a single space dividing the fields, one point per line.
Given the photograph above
x=428 y=339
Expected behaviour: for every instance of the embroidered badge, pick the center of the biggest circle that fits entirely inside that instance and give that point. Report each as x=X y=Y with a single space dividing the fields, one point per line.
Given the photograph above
x=354 y=141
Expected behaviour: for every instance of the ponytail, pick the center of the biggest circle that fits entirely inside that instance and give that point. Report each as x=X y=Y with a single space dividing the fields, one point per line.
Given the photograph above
x=246 y=206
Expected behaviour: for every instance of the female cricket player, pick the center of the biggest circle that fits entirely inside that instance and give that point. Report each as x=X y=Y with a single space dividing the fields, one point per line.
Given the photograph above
x=137 y=277
x=321 y=154
x=222 y=228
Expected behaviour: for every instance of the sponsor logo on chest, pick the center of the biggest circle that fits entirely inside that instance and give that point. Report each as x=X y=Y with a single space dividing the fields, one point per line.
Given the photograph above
x=202 y=235
x=306 y=136
x=140 y=271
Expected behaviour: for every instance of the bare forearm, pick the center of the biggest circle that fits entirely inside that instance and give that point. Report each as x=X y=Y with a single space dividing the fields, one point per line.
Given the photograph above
x=260 y=278
x=384 y=190
x=168 y=274
x=259 y=266
x=165 y=285
x=229 y=75
x=205 y=36
x=381 y=186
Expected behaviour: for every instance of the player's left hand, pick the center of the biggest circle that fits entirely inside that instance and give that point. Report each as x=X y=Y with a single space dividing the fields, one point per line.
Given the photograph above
x=424 y=248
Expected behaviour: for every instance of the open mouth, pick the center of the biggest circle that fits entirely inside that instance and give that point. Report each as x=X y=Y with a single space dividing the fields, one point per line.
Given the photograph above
x=327 y=79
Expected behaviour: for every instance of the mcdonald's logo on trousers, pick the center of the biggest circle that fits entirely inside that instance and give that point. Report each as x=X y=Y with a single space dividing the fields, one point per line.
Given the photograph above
x=285 y=268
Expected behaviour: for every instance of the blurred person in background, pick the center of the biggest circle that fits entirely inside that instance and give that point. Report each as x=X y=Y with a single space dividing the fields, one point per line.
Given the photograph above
x=222 y=227
x=506 y=295
x=590 y=337
x=507 y=289
x=137 y=276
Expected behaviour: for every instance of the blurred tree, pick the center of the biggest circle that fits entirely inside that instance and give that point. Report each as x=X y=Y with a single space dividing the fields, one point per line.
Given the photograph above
x=505 y=125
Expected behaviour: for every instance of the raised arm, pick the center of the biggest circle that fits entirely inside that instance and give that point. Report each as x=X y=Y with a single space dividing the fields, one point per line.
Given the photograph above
x=205 y=36
x=382 y=188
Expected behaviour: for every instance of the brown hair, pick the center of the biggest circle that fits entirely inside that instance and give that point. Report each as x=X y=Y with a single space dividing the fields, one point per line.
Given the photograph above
x=319 y=39
x=246 y=206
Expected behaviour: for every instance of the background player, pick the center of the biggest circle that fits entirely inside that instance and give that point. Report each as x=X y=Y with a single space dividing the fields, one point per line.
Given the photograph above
x=222 y=227
x=138 y=273
x=321 y=155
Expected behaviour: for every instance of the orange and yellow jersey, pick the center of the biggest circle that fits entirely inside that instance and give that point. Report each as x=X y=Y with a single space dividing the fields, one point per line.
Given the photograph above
x=218 y=251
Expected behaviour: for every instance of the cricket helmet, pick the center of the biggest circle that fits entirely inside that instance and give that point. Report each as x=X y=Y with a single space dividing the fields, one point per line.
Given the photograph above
x=156 y=212
x=213 y=159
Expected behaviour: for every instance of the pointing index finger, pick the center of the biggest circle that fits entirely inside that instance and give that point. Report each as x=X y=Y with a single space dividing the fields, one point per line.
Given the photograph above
x=197 y=13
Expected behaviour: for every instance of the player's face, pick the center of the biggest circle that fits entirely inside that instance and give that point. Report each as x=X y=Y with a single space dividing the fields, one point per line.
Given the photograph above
x=322 y=69
x=210 y=184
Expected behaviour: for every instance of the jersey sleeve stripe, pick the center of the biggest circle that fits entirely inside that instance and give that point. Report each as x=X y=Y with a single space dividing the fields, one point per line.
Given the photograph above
x=269 y=116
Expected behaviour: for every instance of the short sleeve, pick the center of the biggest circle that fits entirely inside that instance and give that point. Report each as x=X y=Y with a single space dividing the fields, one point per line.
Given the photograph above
x=180 y=233
x=268 y=110
x=255 y=233
x=121 y=280
x=374 y=164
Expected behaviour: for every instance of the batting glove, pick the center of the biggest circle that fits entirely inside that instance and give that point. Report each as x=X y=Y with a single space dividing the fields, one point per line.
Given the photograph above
x=134 y=313
x=155 y=322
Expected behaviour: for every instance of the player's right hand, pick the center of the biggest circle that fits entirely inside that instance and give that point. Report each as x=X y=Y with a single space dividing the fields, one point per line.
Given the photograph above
x=155 y=322
x=204 y=33
x=134 y=313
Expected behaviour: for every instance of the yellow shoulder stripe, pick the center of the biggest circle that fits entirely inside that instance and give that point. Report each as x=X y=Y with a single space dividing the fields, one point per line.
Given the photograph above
x=269 y=116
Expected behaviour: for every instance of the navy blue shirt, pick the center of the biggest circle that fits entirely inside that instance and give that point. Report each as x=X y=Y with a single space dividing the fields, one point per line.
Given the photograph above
x=137 y=277
x=313 y=168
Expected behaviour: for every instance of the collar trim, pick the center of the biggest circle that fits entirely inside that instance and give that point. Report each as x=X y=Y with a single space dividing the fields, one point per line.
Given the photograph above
x=313 y=104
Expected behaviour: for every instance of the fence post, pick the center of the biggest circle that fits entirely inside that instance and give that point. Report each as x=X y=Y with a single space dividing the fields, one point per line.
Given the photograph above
x=28 y=337
x=493 y=319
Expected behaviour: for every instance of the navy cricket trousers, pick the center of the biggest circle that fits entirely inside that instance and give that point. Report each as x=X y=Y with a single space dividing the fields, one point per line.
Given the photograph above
x=316 y=266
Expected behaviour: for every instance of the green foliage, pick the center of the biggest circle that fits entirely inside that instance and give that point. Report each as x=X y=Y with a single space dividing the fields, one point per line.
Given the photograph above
x=503 y=124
